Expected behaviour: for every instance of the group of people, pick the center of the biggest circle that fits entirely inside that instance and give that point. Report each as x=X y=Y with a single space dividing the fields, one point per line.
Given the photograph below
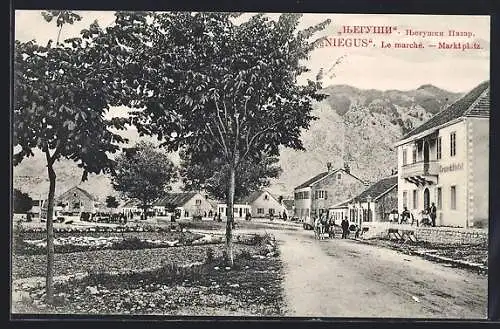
x=428 y=216
x=324 y=225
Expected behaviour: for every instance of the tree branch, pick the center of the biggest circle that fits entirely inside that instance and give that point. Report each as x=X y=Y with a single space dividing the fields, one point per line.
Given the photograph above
x=219 y=117
x=223 y=144
x=249 y=144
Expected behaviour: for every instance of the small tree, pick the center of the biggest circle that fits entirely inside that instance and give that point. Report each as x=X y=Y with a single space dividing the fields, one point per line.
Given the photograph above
x=143 y=173
x=22 y=202
x=111 y=202
x=61 y=95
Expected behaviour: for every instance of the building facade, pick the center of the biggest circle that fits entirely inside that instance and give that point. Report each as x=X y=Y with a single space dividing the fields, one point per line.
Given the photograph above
x=240 y=210
x=186 y=205
x=73 y=202
x=375 y=204
x=446 y=161
x=318 y=194
x=263 y=204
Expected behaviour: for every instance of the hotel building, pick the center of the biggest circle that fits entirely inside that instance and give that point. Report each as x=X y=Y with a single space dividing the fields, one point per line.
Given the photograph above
x=446 y=161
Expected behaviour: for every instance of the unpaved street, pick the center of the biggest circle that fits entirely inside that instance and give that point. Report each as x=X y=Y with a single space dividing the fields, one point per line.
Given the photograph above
x=345 y=278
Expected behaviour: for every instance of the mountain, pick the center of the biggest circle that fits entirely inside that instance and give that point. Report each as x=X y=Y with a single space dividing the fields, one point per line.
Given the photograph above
x=359 y=127
x=353 y=125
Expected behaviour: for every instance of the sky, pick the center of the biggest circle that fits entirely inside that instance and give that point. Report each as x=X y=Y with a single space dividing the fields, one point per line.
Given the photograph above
x=363 y=67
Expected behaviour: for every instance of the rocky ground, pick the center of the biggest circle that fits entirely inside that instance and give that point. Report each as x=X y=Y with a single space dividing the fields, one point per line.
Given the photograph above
x=187 y=280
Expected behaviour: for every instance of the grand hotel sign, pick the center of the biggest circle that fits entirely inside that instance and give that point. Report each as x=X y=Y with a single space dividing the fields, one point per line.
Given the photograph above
x=452 y=167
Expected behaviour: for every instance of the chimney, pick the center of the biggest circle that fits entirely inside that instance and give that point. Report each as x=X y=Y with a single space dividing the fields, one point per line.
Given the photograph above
x=347 y=168
x=329 y=166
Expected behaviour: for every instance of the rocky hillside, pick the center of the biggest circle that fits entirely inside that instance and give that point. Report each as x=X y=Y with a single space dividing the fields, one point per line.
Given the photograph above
x=359 y=126
x=353 y=124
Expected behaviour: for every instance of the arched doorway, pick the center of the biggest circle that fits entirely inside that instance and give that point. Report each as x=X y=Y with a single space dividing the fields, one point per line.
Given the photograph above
x=426 y=198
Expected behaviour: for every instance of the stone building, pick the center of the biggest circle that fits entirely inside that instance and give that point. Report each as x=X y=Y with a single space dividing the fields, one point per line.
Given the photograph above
x=318 y=194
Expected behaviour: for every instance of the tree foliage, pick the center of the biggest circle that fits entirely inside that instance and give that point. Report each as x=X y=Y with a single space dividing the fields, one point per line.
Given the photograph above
x=143 y=173
x=111 y=202
x=22 y=202
x=221 y=90
x=62 y=93
x=212 y=176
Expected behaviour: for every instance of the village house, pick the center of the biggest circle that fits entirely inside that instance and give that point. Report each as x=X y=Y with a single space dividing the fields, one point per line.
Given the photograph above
x=318 y=194
x=263 y=204
x=445 y=161
x=240 y=210
x=375 y=204
x=185 y=205
x=73 y=202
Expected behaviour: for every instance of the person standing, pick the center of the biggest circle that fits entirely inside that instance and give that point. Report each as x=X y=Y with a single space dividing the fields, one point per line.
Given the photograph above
x=345 y=227
x=432 y=214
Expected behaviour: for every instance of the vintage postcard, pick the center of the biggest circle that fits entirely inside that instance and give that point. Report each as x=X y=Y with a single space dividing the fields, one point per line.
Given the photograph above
x=250 y=164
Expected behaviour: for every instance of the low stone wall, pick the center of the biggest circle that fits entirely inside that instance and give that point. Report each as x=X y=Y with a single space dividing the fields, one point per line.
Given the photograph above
x=452 y=235
x=448 y=235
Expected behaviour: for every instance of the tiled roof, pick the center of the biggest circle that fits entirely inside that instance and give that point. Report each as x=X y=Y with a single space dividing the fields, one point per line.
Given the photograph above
x=323 y=175
x=131 y=203
x=249 y=198
x=314 y=179
x=458 y=109
x=482 y=106
x=377 y=189
x=176 y=199
x=85 y=193
x=341 y=205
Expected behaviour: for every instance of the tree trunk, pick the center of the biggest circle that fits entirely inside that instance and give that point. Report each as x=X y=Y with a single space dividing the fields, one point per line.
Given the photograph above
x=230 y=216
x=49 y=287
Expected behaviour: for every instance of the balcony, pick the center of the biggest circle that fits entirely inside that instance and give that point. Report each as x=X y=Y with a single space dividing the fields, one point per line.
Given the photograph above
x=423 y=172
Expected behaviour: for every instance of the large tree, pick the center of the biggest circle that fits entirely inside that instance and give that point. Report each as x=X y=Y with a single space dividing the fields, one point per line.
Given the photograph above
x=224 y=90
x=144 y=173
x=62 y=92
x=213 y=176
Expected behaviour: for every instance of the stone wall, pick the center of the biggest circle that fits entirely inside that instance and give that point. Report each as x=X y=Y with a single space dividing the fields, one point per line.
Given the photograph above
x=451 y=235
x=446 y=235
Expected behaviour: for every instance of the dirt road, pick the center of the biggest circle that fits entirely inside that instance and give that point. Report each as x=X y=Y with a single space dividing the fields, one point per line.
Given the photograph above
x=344 y=278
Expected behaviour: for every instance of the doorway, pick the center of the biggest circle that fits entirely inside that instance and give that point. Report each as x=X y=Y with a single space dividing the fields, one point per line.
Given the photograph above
x=426 y=198
x=241 y=212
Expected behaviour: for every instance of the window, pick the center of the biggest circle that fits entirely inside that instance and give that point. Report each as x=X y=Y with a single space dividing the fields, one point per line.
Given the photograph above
x=414 y=155
x=415 y=200
x=316 y=194
x=339 y=176
x=186 y=214
x=439 y=198
x=405 y=157
x=453 y=201
x=76 y=205
x=271 y=211
x=405 y=199
x=453 y=144
x=438 y=148
x=266 y=197
x=306 y=195
x=198 y=202
x=260 y=210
